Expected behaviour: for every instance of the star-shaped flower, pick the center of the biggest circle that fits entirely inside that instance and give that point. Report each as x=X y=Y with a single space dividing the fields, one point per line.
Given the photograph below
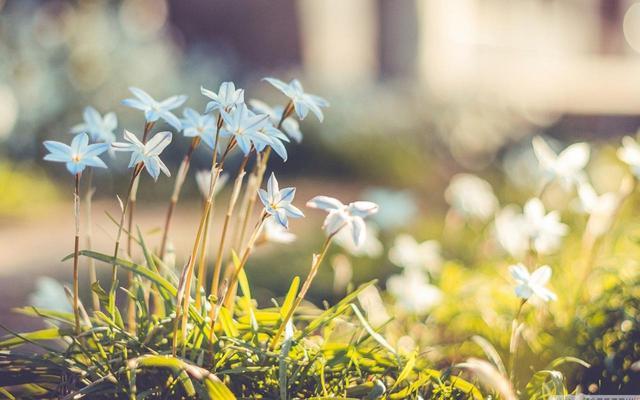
x=196 y=124
x=246 y=127
x=302 y=102
x=567 y=167
x=529 y=285
x=99 y=128
x=79 y=155
x=147 y=153
x=226 y=99
x=350 y=216
x=155 y=110
x=278 y=202
x=290 y=126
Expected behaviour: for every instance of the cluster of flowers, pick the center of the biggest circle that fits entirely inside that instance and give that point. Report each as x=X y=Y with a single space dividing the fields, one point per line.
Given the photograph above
x=227 y=123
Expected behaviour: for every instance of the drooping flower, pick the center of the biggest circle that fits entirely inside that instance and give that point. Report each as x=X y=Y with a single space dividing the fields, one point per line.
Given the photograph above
x=147 y=153
x=277 y=203
x=290 y=126
x=99 y=128
x=471 y=197
x=274 y=232
x=302 y=102
x=79 y=155
x=155 y=110
x=203 y=180
x=246 y=127
x=413 y=292
x=275 y=141
x=534 y=284
x=350 y=216
x=195 y=124
x=409 y=254
x=227 y=98
x=566 y=167
x=370 y=247
x=629 y=153
x=544 y=229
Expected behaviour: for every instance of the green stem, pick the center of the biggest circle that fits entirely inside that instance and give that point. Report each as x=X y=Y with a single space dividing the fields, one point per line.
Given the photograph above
x=315 y=266
x=76 y=250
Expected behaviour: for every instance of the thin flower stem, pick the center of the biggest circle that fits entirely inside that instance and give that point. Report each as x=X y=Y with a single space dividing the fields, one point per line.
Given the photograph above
x=513 y=342
x=228 y=299
x=92 y=264
x=201 y=276
x=225 y=227
x=177 y=188
x=114 y=270
x=317 y=261
x=76 y=250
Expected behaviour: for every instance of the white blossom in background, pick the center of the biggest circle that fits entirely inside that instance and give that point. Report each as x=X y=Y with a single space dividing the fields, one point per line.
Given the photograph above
x=532 y=284
x=409 y=254
x=398 y=208
x=371 y=246
x=203 y=180
x=511 y=232
x=49 y=294
x=602 y=209
x=413 y=292
x=471 y=197
x=274 y=232
x=629 y=153
x=534 y=229
x=545 y=229
x=345 y=216
x=567 y=167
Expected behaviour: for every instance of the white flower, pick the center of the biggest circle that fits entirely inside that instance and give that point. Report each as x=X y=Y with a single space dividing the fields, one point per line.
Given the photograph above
x=630 y=154
x=413 y=292
x=340 y=216
x=370 y=247
x=274 y=232
x=49 y=295
x=511 y=231
x=545 y=230
x=98 y=127
x=302 y=102
x=600 y=208
x=290 y=126
x=203 y=180
x=471 y=197
x=147 y=153
x=567 y=167
x=533 y=230
x=408 y=253
x=155 y=110
x=226 y=99
x=277 y=203
x=533 y=284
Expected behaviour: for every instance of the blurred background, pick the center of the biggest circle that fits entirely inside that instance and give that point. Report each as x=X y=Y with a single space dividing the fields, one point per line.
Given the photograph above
x=420 y=90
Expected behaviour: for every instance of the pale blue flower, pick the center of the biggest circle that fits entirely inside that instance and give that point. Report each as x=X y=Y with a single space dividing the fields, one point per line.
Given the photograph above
x=226 y=99
x=398 y=208
x=246 y=127
x=147 y=153
x=278 y=202
x=302 y=102
x=99 y=128
x=350 y=216
x=79 y=155
x=196 y=124
x=155 y=110
x=290 y=126
x=275 y=141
